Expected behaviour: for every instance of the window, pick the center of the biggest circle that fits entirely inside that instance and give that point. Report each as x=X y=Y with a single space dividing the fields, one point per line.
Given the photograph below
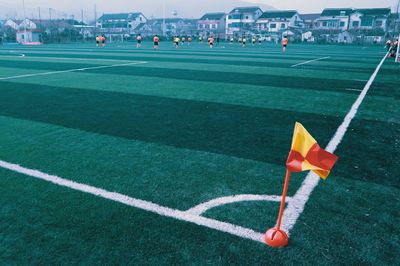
x=272 y=26
x=342 y=13
x=283 y=26
x=342 y=24
x=247 y=17
x=229 y=17
x=324 y=24
x=356 y=24
x=379 y=23
x=366 y=21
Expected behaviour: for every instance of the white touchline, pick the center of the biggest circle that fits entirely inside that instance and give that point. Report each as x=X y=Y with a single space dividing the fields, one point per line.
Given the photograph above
x=310 y=61
x=296 y=206
x=71 y=70
x=138 y=203
x=203 y=207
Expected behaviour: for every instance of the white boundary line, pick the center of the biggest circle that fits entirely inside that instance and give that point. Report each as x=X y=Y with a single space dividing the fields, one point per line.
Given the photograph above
x=70 y=70
x=203 y=207
x=137 y=203
x=296 y=205
x=310 y=61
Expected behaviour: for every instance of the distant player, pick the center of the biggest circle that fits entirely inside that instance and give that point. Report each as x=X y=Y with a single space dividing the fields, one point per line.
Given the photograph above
x=189 y=40
x=253 y=40
x=232 y=40
x=177 y=41
x=200 y=39
x=98 y=40
x=244 y=42
x=183 y=40
x=156 y=41
x=218 y=40
x=103 y=40
x=139 y=41
x=259 y=41
x=285 y=42
x=240 y=40
x=211 y=41
x=388 y=44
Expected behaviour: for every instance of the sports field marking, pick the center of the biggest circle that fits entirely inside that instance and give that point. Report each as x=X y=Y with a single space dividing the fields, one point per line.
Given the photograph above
x=353 y=90
x=310 y=61
x=137 y=203
x=70 y=70
x=203 y=207
x=296 y=206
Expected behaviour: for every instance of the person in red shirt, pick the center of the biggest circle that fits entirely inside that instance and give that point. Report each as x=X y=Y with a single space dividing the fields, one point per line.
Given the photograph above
x=211 y=41
x=156 y=42
x=183 y=40
x=285 y=42
x=139 y=41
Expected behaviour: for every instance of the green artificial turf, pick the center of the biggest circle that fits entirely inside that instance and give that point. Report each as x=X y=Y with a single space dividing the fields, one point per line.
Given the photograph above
x=189 y=126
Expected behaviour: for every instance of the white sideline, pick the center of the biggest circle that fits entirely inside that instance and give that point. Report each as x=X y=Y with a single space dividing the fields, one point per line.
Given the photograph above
x=137 y=203
x=310 y=61
x=203 y=207
x=71 y=70
x=296 y=206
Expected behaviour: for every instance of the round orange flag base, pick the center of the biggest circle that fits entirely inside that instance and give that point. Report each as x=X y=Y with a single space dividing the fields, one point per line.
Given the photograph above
x=276 y=238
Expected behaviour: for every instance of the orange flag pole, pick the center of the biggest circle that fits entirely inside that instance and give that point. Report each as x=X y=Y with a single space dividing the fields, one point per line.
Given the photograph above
x=275 y=237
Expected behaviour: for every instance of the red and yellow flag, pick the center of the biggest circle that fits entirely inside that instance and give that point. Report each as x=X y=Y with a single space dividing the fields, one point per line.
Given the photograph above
x=306 y=154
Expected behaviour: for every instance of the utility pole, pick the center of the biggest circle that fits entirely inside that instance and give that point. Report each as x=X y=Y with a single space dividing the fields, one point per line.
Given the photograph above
x=25 y=31
x=82 y=32
x=164 y=30
x=95 y=21
x=40 y=17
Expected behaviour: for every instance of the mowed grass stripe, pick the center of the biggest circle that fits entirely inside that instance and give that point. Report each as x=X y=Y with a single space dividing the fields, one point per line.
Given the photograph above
x=323 y=102
x=239 y=131
x=194 y=56
x=277 y=62
x=234 y=50
x=336 y=73
x=175 y=177
x=317 y=83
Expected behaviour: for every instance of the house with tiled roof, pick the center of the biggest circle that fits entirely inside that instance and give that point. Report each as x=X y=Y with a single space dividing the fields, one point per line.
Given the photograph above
x=212 y=23
x=309 y=20
x=120 y=24
x=371 y=18
x=334 y=19
x=279 y=21
x=242 y=19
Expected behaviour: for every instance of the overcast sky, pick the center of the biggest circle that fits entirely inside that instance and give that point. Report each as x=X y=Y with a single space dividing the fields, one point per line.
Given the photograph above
x=185 y=8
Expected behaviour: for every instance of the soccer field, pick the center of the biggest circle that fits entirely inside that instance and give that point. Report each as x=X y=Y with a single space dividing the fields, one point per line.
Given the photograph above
x=119 y=155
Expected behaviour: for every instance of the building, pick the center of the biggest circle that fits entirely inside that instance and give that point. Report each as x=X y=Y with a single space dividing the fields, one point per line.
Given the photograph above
x=370 y=19
x=173 y=26
x=29 y=36
x=279 y=21
x=242 y=20
x=309 y=20
x=120 y=25
x=14 y=24
x=334 y=19
x=212 y=23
